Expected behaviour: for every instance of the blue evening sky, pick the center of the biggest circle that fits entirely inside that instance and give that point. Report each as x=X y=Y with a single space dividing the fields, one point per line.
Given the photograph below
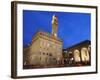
x=72 y=27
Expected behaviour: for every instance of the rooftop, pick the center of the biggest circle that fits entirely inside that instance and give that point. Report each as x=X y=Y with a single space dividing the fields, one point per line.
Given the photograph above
x=42 y=33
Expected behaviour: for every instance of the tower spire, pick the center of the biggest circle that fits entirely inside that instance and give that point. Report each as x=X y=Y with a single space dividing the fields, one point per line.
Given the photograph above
x=54 y=25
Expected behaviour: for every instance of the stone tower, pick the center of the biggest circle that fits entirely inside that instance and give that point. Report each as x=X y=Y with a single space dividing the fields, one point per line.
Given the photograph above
x=54 y=25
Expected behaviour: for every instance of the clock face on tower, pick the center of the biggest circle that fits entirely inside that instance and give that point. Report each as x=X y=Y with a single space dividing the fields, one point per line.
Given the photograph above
x=55 y=34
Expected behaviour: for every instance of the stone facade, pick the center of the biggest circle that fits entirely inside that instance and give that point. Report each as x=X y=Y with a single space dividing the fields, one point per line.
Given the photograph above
x=45 y=50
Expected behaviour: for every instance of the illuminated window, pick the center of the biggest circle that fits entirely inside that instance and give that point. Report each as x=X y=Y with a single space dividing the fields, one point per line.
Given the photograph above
x=48 y=45
x=55 y=34
x=85 y=54
x=77 y=55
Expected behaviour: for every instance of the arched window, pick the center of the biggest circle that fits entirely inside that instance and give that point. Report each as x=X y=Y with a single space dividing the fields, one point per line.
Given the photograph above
x=50 y=54
x=85 y=54
x=43 y=53
x=77 y=55
x=89 y=48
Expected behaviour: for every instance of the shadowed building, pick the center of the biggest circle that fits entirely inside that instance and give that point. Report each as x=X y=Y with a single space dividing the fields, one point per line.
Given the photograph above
x=78 y=54
x=45 y=49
